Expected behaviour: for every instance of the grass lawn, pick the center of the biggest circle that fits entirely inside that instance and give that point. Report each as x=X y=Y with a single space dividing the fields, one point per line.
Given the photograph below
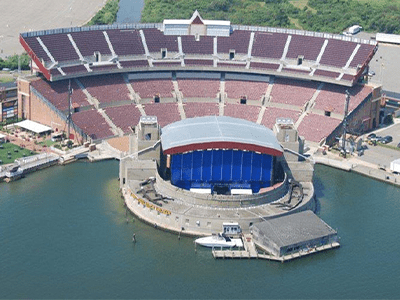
x=6 y=79
x=47 y=143
x=296 y=23
x=10 y=152
x=301 y=4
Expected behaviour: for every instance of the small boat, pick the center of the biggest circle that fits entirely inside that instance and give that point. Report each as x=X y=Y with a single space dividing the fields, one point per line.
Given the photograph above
x=219 y=240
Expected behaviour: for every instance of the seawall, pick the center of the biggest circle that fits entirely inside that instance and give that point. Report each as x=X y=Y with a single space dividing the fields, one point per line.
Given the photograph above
x=356 y=165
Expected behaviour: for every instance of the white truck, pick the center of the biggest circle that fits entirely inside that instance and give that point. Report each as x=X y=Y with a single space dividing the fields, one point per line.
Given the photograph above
x=353 y=30
x=395 y=166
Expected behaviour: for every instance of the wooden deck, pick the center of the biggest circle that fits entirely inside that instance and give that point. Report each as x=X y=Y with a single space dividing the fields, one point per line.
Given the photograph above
x=249 y=251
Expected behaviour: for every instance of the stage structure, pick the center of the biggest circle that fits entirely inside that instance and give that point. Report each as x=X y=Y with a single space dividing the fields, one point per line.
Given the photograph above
x=220 y=155
x=195 y=174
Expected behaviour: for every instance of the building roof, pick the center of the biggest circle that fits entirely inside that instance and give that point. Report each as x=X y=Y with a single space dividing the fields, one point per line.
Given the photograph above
x=33 y=126
x=196 y=19
x=8 y=85
x=388 y=38
x=214 y=132
x=295 y=228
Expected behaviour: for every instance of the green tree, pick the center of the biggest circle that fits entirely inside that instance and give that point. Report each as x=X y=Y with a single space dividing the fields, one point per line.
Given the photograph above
x=12 y=62
x=107 y=15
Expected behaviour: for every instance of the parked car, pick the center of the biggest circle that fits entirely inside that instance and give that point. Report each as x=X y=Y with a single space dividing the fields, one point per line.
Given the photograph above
x=398 y=145
x=386 y=140
x=374 y=139
x=371 y=136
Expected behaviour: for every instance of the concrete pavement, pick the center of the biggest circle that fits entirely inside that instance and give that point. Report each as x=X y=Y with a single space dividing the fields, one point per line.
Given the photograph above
x=21 y=16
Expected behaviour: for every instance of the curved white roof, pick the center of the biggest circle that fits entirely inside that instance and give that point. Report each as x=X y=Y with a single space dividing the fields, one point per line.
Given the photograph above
x=214 y=132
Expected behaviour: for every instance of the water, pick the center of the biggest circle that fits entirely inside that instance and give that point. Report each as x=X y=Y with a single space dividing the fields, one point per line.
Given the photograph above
x=129 y=11
x=63 y=234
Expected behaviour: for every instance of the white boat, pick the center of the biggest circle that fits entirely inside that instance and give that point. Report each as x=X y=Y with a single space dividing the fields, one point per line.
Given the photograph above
x=219 y=240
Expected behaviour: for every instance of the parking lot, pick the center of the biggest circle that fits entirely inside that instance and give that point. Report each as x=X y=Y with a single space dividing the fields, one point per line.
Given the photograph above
x=381 y=155
x=393 y=130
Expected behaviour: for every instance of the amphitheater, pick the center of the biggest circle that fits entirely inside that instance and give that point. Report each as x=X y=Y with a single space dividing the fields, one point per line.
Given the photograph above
x=185 y=69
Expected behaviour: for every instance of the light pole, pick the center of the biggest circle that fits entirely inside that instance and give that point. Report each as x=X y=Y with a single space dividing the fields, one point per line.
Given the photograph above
x=69 y=118
x=346 y=110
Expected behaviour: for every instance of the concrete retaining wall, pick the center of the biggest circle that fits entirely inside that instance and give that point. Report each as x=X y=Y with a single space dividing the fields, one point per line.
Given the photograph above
x=186 y=223
x=165 y=188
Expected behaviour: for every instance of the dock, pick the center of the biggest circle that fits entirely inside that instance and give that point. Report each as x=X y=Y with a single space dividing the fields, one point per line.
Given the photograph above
x=250 y=252
x=25 y=165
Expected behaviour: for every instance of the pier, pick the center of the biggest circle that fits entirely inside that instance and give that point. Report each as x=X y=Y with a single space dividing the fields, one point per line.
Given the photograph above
x=250 y=252
x=27 y=165
x=285 y=238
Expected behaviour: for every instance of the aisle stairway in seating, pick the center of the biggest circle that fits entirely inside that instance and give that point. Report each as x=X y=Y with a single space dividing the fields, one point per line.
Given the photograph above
x=222 y=96
x=93 y=101
x=309 y=105
x=178 y=95
x=116 y=130
x=267 y=98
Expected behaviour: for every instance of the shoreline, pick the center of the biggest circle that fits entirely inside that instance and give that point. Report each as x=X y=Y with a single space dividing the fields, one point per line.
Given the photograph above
x=357 y=166
x=106 y=151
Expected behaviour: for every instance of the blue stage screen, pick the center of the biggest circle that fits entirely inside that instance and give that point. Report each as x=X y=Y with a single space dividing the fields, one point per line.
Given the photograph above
x=227 y=165
x=207 y=157
x=217 y=166
x=197 y=166
x=231 y=168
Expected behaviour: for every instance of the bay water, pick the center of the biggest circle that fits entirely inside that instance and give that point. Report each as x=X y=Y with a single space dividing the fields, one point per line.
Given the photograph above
x=64 y=234
x=129 y=11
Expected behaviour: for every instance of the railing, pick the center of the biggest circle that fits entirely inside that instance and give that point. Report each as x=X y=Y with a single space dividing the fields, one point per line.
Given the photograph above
x=305 y=33
x=233 y=27
x=90 y=28
x=34 y=158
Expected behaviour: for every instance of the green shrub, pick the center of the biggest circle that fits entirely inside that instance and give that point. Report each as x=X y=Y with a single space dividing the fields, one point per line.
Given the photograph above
x=12 y=62
x=107 y=15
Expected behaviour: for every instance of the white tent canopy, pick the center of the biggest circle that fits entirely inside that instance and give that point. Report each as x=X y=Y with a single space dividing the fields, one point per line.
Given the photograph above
x=33 y=126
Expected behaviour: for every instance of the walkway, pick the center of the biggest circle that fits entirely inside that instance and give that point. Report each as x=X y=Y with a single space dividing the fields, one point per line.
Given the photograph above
x=357 y=164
